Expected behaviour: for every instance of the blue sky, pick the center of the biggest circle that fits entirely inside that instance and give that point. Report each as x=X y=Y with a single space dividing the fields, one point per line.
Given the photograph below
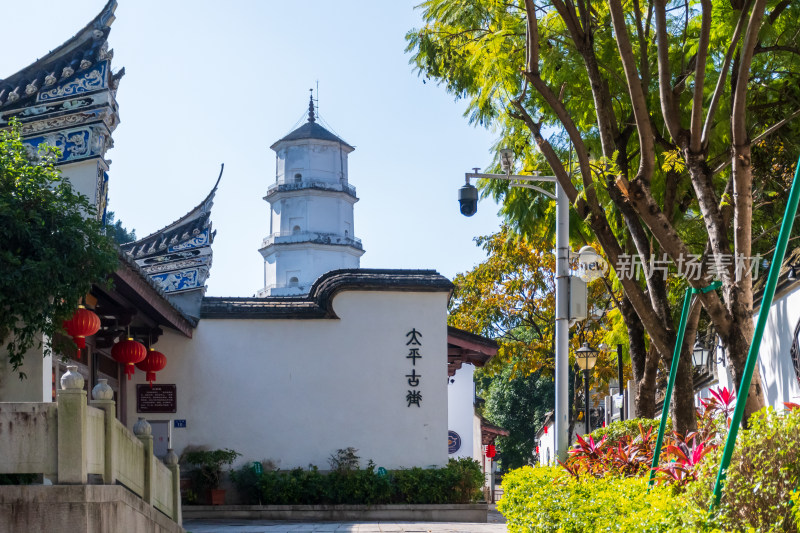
x=206 y=85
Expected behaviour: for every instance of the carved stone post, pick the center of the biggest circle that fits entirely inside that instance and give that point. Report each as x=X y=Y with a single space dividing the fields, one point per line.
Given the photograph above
x=103 y=398
x=72 y=467
x=144 y=432
x=171 y=460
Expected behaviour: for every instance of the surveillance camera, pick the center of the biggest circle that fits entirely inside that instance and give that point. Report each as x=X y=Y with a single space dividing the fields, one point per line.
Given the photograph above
x=468 y=200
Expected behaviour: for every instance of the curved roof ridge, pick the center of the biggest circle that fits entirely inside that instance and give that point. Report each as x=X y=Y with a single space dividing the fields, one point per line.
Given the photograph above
x=318 y=303
x=201 y=209
x=101 y=22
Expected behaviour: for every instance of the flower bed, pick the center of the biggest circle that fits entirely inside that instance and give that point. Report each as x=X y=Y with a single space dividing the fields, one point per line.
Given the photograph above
x=603 y=485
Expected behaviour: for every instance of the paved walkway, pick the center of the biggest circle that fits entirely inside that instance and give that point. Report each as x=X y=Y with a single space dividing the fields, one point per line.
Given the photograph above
x=265 y=526
x=496 y=524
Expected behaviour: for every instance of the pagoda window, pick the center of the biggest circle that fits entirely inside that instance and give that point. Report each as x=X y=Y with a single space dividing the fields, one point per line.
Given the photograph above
x=293 y=281
x=296 y=229
x=298 y=178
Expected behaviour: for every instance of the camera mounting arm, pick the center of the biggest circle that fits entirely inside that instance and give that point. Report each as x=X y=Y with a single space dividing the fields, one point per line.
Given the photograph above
x=515 y=177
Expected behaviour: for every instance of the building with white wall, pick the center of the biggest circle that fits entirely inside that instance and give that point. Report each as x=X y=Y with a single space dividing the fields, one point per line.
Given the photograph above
x=293 y=381
x=329 y=356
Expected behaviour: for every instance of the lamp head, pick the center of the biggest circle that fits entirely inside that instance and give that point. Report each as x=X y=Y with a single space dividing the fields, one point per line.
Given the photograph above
x=699 y=354
x=586 y=356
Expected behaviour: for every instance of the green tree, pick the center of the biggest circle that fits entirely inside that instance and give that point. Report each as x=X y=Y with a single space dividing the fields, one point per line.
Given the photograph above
x=117 y=231
x=510 y=297
x=650 y=115
x=51 y=250
x=518 y=404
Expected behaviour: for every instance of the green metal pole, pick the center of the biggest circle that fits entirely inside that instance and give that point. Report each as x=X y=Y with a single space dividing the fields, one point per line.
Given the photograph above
x=763 y=314
x=673 y=371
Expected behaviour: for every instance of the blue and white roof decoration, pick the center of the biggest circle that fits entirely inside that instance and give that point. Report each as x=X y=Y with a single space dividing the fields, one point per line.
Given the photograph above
x=178 y=256
x=68 y=97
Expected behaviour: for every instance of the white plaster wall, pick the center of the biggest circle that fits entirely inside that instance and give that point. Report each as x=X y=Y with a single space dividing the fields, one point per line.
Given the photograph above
x=82 y=176
x=328 y=213
x=309 y=260
x=547 y=443
x=37 y=386
x=313 y=159
x=774 y=360
x=297 y=390
x=460 y=410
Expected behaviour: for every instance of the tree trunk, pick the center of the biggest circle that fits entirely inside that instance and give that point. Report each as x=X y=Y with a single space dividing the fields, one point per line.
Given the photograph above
x=684 y=417
x=646 y=389
x=738 y=346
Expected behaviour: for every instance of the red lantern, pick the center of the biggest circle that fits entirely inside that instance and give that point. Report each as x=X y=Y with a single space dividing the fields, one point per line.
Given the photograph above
x=545 y=430
x=129 y=352
x=84 y=323
x=537 y=450
x=154 y=362
x=491 y=451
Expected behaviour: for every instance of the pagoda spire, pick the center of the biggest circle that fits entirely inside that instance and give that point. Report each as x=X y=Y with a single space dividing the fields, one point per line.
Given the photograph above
x=311 y=117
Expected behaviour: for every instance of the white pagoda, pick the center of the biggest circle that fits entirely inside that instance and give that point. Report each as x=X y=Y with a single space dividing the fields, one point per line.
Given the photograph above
x=311 y=211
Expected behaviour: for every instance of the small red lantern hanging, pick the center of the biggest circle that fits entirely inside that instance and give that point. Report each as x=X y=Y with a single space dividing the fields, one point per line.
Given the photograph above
x=129 y=352
x=545 y=430
x=537 y=450
x=84 y=323
x=154 y=362
x=491 y=451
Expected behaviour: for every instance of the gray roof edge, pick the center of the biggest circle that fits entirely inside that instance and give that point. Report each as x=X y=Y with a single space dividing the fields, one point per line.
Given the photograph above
x=318 y=303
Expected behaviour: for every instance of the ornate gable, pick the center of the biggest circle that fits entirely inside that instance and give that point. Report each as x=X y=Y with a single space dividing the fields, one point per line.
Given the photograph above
x=68 y=97
x=178 y=256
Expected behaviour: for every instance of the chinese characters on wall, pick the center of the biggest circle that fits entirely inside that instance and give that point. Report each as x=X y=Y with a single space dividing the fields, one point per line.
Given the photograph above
x=414 y=344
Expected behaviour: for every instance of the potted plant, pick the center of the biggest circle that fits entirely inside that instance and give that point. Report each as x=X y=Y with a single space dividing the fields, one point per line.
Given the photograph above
x=207 y=473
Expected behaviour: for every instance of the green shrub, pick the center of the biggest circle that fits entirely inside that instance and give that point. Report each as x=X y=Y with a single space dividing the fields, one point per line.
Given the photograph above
x=546 y=499
x=760 y=484
x=246 y=479
x=458 y=482
x=208 y=466
x=616 y=431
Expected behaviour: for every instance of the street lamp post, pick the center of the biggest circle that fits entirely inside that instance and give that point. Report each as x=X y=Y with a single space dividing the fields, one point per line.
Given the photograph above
x=468 y=200
x=586 y=358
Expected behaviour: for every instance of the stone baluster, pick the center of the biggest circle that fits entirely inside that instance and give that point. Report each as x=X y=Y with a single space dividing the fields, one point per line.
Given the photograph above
x=103 y=398
x=144 y=432
x=72 y=467
x=171 y=460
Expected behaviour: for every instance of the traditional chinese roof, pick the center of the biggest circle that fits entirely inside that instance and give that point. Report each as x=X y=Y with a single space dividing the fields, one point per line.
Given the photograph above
x=489 y=432
x=182 y=229
x=68 y=61
x=311 y=130
x=319 y=301
x=178 y=257
x=465 y=347
x=130 y=280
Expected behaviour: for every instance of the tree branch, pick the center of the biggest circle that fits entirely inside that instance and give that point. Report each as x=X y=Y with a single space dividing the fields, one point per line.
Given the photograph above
x=668 y=108
x=635 y=90
x=726 y=64
x=695 y=144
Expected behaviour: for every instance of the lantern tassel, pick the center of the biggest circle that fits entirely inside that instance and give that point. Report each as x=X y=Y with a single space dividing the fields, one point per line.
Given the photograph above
x=151 y=377
x=129 y=370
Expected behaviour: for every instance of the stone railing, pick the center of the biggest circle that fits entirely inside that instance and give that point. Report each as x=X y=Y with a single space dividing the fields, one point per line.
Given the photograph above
x=316 y=237
x=70 y=440
x=285 y=186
